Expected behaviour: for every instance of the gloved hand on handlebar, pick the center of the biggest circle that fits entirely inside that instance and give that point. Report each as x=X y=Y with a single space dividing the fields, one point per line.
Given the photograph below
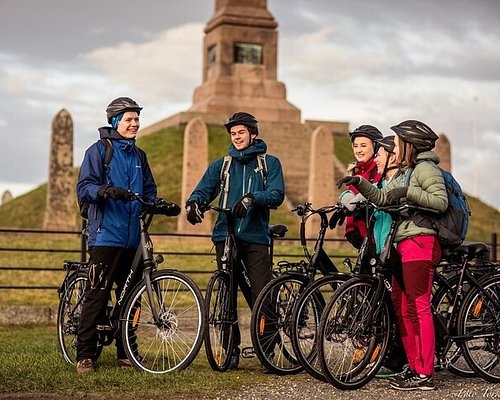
x=240 y=208
x=395 y=195
x=167 y=208
x=114 y=192
x=348 y=180
x=193 y=213
x=337 y=218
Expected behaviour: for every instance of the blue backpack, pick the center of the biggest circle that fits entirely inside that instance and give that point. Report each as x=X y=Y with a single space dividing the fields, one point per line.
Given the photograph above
x=452 y=225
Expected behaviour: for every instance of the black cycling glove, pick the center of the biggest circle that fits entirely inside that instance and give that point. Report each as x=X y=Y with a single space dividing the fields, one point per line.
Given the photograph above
x=193 y=213
x=348 y=180
x=394 y=195
x=241 y=206
x=337 y=218
x=164 y=207
x=114 y=192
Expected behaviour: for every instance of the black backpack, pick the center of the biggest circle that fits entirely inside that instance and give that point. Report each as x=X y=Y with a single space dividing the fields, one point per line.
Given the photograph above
x=108 y=155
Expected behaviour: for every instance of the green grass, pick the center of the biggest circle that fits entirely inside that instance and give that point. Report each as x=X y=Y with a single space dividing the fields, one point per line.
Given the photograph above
x=32 y=365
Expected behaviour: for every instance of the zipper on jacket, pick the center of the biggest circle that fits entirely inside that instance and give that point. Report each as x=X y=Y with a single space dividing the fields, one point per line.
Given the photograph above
x=242 y=194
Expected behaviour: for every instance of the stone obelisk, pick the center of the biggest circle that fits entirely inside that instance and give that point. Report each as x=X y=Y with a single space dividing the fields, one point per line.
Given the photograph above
x=60 y=207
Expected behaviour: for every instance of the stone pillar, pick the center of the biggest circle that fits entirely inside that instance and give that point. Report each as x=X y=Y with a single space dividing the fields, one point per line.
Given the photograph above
x=321 y=175
x=443 y=150
x=6 y=197
x=194 y=165
x=61 y=200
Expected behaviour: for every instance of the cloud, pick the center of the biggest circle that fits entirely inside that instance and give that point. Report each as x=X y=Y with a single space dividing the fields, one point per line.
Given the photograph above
x=161 y=67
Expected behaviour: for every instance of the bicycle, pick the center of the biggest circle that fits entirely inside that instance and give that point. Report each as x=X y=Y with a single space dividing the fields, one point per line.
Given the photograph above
x=221 y=298
x=355 y=327
x=161 y=319
x=272 y=322
x=474 y=254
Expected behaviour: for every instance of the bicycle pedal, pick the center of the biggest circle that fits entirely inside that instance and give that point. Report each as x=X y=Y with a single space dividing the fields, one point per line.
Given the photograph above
x=104 y=328
x=247 y=352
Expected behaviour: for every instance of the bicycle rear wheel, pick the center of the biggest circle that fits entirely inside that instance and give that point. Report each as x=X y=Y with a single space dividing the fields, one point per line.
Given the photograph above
x=175 y=339
x=271 y=324
x=352 y=346
x=306 y=316
x=68 y=316
x=479 y=316
x=219 y=331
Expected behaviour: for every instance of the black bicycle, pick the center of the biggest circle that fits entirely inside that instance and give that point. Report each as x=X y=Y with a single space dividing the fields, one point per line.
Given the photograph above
x=356 y=325
x=273 y=326
x=161 y=319
x=221 y=298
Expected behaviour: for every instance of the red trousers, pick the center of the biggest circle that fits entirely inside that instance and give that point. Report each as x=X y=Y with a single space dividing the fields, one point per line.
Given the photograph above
x=420 y=255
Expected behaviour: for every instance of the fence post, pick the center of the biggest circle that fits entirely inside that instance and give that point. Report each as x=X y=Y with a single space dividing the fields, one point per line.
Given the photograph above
x=494 y=247
x=83 y=241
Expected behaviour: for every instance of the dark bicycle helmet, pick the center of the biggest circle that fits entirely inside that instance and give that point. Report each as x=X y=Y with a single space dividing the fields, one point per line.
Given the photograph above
x=416 y=133
x=120 y=105
x=387 y=143
x=368 y=131
x=243 y=118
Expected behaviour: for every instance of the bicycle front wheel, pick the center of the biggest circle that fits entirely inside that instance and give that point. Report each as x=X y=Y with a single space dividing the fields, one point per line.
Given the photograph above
x=172 y=342
x=68 y=316
x=479 y=323
x=271 y=323
x=306 y=316
x=219 y=332
x=354 y=335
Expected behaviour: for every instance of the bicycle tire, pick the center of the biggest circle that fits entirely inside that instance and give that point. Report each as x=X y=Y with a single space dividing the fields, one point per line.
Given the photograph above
x=363 y=344
x=219 y=330
x=68 y=317
x=270 y=325
x=441 y=301
x=480 y=316
x=173 y=343
x=314 y=298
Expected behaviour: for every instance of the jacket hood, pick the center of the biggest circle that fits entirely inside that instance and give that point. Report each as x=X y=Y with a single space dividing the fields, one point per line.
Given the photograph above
x=428 y=155
x=107 y=132
x=244 y=156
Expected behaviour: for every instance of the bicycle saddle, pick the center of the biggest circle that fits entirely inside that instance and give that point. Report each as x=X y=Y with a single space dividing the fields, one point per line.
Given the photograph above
x=470 y=250
x=278 y=230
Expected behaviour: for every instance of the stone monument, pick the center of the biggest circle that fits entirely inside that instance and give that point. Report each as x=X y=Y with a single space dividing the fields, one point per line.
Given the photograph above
x=6 y=197
x=240 y=64
x=59 y=210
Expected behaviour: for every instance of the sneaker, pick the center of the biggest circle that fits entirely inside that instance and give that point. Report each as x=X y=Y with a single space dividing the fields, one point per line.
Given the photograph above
x=85 y=366
x=416 y=382
x=235 y=358
x=123 y=363
x=405 y=374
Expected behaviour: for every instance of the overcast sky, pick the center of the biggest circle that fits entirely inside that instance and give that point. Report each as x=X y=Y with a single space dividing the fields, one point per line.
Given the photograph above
x=376 y=62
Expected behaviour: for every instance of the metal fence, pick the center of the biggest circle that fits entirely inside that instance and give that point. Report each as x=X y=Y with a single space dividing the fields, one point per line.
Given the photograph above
x=81 y=252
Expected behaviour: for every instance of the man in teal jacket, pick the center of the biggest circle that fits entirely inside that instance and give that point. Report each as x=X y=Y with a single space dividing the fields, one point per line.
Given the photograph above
x=250 y=182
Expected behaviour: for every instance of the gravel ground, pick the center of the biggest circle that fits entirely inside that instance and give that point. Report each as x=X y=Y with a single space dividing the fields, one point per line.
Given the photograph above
x=302 y=387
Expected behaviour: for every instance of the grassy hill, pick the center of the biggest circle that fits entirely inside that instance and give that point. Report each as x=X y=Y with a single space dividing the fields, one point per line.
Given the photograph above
x=164 y=150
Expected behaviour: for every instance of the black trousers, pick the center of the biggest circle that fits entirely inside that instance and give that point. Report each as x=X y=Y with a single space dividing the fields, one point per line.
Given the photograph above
x=108 y=266
x=256 y=260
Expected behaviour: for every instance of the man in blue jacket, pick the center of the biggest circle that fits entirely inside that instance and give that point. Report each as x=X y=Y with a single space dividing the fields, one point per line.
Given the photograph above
x=250 y=182
x=113 y=220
